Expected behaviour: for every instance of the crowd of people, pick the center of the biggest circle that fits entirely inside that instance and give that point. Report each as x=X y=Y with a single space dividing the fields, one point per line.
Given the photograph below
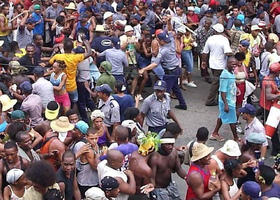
x=74 y=123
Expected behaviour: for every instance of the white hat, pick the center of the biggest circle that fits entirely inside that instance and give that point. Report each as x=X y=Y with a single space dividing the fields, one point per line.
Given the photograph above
x=191 y=8
x=255 y=27
x=13 y=175
x=181 y=29
x=107 y=15
x=96 y=114
x=231 y=148
x=71 y=6
x=99 y=28
x=128 y=28
x=95 y=193
x=218 y=27
x=129 y=124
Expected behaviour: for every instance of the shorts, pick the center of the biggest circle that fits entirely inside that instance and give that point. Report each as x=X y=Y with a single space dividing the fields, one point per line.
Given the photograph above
x=187 y=60
x=273 y=118
x=63 y=100
x=130 y=72
x=74 y=96
x=170 y=192
x=227 y=117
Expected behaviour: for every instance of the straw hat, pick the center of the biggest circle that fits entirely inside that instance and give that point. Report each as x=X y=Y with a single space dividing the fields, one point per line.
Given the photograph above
x=7 y=103
x=71 y=6
x=200 y=151
x=99 y=28
x=62 y=124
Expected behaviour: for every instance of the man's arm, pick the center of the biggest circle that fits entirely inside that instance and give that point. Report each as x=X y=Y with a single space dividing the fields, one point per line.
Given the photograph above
x=77 y=193
x=173 y=117
x=130 y=187
x=23 y=21
x=179 y=170
x=88 y=49
x=224 y=98
x=58 y=147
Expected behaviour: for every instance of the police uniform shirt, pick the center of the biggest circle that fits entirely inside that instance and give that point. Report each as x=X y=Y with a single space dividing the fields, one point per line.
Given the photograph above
x=156 y=111
x=111 y=110
x=167 y=55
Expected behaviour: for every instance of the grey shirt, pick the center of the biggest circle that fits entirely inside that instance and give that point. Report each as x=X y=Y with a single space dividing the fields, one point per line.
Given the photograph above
x=53 y=13
x=277 y=23
x=265 y=63
x=167 y=55
x=156 y=111
x=83 y=70
x=111 y=110
x=117 y=58
x=24 y=37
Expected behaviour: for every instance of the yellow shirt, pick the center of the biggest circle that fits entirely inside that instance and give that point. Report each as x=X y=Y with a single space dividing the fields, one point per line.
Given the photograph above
x=19 y=55
x=71 y=60
x=247 y=59
x=32 y=194
x=187 y=42
x=4 y=33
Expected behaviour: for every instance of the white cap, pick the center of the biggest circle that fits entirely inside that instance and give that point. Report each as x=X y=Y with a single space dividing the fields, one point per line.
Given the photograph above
x=181 y=29
x=218 y=27
x=95 y=193
x=191 y=8
x=128 y=28
x=255 y=27
x=107 y=15
x=13 y=175
x=231 y=148
x=129 y=124
x=96 y=114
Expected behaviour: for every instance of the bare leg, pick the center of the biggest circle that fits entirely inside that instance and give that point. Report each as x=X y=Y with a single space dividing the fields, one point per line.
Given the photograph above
x=233 y=130
x=217 y=128
x=133 y=85
x=143 y=82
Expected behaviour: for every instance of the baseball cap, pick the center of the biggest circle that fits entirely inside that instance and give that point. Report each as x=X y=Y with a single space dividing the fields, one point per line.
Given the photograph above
x=160 y=85
x=13 y=175
x=136 y=16
x=255 y=27
x=106 y=66
x=95 y=193
x=109 y=183
x=38 y=71
x=252 y=189
x=79 y=49
x=37 y=7
x=256 y=138
x=245 y=43
x=17 y=114
x=107 y=15
x=105 y=88
x=26 y=86
x=164 y=36
x=52 y=110
x=231 y=148
x=248 y=109
x=82 y=127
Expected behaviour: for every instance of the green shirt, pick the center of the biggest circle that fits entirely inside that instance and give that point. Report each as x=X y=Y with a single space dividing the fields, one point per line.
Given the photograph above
x=106 y=79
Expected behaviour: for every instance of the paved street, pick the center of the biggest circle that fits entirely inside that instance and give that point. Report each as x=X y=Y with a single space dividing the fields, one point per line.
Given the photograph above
x=196 y=116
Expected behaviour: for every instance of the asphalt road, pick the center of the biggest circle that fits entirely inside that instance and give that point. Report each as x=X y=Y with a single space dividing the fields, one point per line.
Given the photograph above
x=196 y=116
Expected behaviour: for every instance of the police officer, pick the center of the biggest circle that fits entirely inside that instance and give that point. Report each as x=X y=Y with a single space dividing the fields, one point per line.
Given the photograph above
x=170 y=63
x=109 y=106
x=156 y=108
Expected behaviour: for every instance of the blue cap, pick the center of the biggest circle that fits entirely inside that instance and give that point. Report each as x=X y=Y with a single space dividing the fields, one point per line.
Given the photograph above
x=17 y=114
x=136 y=16
x=105 y=88
x=26 y=86
x=256 y=138
x=248 y=109
x=79 y=49
x=164 y=36
x=210 y=10
x=82 y=127
x=245 y=43
x=109 y=183
x=160 y=85
x=30 y=21
x=120 y=6
x=252 y=189
x=38 y=71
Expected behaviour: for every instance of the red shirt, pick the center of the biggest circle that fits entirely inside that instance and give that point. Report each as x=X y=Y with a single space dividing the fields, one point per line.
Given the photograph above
x=205 y=175
x=27 y=4
x=194 y=18
x=264 y=103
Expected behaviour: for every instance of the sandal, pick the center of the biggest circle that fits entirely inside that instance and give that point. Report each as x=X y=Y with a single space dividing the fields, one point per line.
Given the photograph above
x=217 y=138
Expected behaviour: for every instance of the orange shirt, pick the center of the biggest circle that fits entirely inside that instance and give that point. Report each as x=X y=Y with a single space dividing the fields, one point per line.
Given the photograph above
x=264 y=103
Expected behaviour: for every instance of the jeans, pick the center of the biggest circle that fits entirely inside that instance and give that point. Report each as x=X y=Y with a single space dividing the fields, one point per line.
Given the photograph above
x=187 y=59
x=84 y=101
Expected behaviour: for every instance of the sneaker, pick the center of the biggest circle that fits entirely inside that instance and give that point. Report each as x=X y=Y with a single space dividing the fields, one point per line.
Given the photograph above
x=254 y=98
x=181 y=107
x=185 y=82
x=239 y=128
x=192 y=84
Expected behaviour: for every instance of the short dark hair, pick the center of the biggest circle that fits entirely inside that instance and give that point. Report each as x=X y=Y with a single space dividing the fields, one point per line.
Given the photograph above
x=68 y=44
x=269 y=46
x=41 y=173
x=70 y=112
x=68 y=154
x=131 y=113
x=173 y=128
x=14 y=128
x=30 y=45
x=10 y=145
x=230 y=165
x=60 y=19
x=36 y=36
x=202 y=134
x=267 y=173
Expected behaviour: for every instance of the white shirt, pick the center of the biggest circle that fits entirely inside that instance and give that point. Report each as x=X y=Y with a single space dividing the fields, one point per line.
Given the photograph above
x=104 y=170
x=44 y=89
x=217 y=46
x=254 y=127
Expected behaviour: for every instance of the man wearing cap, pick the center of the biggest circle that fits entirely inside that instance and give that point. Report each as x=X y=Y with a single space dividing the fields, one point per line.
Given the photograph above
x=251 y=191
x=109 y=106
x=106 y=77
x=42 y=87
x=254 y=38
x=32 y=104
x=25 y=31
x=156 y=108
x=199 y=174
x=78 y=136
x=253 y=125
x=118 y=60
x=37 y=17
x=218 y=48
x=269 y=101
x=170 y=63
x=108 y=190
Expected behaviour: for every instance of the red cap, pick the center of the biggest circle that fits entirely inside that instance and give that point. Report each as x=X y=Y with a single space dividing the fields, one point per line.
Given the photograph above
x=275 y=67
x=158 y=31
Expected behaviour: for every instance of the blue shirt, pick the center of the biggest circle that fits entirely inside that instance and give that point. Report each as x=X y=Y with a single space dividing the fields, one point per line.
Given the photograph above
x=124 y=102
x=273 y=192
x=227 y=85
x=39 y=28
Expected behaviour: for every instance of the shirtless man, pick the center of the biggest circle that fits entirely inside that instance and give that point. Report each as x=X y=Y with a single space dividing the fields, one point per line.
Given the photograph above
x=163 y=163
x=10 y=161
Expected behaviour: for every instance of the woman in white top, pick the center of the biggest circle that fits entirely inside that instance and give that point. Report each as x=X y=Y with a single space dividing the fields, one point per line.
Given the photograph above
x=233 y=170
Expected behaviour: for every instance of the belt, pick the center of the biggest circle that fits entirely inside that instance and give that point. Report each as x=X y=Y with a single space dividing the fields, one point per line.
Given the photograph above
x=170 y=70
